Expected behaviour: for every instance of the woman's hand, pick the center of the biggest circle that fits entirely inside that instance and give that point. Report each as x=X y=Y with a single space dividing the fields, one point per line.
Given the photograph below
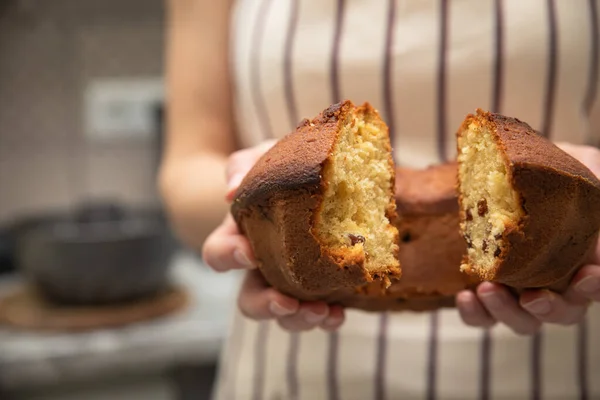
x=492 y=303
x=226 y=249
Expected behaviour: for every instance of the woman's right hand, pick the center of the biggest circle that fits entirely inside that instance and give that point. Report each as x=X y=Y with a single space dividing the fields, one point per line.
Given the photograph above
x=226 y=249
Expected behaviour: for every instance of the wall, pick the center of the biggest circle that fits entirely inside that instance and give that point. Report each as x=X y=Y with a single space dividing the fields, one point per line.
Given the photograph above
x=49 y=51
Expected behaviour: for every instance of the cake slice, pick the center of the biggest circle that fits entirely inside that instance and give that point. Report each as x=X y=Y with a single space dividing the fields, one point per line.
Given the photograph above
x=318 y=207
x=529 y=211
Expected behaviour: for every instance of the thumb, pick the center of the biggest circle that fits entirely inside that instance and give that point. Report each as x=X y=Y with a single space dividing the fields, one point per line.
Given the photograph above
x=594 y=256
x=241 y=162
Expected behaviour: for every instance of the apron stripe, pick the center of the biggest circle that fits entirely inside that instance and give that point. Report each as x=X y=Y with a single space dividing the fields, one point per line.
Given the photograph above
x=255 y=78
x=441 y=81
x=551 y=82
x=388 y=102
x=287 y=65
x=332 y=367
x=486 y=351
x=432 y=357
x=260 y=360
x=335 y=51
x=592 y=88
x=380 y=364
x=230 y=367
x=292 y=366
x=582 y=367
x=536 y=367
x=498 y=48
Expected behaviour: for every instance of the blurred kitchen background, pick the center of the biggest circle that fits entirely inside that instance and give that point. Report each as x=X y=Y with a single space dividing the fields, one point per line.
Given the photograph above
x=97 y=299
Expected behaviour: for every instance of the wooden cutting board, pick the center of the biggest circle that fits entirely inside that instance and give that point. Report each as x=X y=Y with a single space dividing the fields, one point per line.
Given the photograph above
x=24 y=308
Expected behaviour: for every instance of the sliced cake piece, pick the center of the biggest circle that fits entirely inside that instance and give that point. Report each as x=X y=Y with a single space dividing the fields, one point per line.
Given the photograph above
x=317 y=208
x=529 y=211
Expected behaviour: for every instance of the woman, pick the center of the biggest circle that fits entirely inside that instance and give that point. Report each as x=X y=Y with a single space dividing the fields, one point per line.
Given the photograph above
x=241 y=73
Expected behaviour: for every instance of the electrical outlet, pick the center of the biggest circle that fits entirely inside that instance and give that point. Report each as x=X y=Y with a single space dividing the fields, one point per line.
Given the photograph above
x=117 y=109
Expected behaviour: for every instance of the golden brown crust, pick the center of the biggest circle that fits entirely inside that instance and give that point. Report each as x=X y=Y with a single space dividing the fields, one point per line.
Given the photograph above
x=295 y=162
x=561 y=200
x=276 y=205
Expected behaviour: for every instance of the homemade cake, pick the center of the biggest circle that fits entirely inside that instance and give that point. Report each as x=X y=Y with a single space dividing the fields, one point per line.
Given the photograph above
x=318 y=207
x=529 y=211
x=320 y=213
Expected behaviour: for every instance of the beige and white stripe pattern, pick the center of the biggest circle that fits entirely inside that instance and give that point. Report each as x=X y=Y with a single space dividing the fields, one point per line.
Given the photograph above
x=424 y=64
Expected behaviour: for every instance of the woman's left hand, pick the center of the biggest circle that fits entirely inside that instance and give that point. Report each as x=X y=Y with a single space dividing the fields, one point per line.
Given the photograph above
x=492 y=303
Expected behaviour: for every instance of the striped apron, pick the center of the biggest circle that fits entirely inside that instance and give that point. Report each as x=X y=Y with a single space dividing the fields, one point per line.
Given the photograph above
x=424 y=64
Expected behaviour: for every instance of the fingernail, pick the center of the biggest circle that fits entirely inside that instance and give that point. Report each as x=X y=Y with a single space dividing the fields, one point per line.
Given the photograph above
x=588 y=285
x=539 y=306
x=332 y=322
x=313 y=318
x=242 y=259
x=493 y=300
x=279 y=310
x=234 y=181
x=466 y=303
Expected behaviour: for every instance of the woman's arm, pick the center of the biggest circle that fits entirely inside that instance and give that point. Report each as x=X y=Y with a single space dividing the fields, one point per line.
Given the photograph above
x=199 y=124
x=197 y=160
x=595 y=125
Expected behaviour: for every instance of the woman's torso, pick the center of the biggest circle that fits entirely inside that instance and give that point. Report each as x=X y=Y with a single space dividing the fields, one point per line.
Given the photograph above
x=424 y=65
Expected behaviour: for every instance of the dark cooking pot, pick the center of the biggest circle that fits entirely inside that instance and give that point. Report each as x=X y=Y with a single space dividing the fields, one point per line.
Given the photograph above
x=6 y=252
x=101 y=253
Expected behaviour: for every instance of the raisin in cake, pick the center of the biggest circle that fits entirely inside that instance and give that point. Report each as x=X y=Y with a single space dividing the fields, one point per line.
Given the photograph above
x=318 y=207
x=529 y=211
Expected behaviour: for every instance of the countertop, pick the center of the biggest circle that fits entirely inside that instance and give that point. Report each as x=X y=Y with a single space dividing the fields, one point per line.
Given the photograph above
x=194 y=336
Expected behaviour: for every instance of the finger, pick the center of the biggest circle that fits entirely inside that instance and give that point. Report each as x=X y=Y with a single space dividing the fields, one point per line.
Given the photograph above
x=594 y=257
x=587 y=155
x=503 y=307
x=237 y=167
x=551 y=307
x=257 y=300
x=228 y=226
x=335 y=319
x=471 y=310
x=309 y=316
x=240 y=162
x=586 y=283
x=226 y=249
